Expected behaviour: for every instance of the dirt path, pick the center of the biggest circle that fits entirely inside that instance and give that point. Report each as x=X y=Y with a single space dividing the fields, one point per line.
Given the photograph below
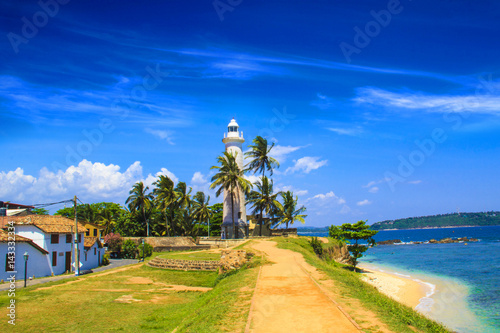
x=286 y=299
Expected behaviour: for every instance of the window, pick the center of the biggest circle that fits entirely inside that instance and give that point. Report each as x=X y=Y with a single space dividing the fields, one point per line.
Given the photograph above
x=87 y=233
x=54 y=239
x=95 y=251
x=54 y=258
x=232 y=129
x=79 y=238
x=9 y=262
x=86 y=255
x=239 y=215
x=95 y=232
x=69 y=238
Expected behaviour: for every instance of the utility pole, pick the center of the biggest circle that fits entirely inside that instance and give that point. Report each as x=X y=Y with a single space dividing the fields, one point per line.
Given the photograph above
x=77 y=259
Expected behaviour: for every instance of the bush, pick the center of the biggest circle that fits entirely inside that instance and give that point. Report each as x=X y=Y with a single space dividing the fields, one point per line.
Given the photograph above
x=114 y=242
x=129 y=249
x=317 y=246
x=148 y=251
x=105 y=259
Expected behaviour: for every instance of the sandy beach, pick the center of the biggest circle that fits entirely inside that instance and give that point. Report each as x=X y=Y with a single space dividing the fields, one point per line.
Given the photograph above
x=403 y=289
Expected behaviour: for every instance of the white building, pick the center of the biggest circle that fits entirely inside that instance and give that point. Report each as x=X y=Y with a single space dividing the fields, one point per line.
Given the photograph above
x=37 y=262
x=55 y=236
x=234 y=141
x=93 y=253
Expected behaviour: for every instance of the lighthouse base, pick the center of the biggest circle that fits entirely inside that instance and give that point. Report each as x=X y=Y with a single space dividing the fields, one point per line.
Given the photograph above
x=238 y=230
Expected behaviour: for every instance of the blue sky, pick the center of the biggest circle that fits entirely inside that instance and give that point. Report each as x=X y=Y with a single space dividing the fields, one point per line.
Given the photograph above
x=379 y=109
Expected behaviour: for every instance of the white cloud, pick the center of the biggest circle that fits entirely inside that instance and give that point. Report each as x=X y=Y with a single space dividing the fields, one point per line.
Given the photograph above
x=346 y=131
x=327 y=204
x=306 y=164
x=296 y=192
x=199 y=182
x=364 y=202
x=161 y=134
x=415 y=182
x=374 y=189
x=252 y=178
x=91 y=182
x=323 y=102
x=477 y=103
x=280 y=152
x=150 y=179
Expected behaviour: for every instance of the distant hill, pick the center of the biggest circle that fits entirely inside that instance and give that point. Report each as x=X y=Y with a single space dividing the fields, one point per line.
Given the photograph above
x=440 y=221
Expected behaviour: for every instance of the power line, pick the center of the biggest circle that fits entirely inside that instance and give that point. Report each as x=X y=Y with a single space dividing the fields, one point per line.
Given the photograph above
x=51 y=203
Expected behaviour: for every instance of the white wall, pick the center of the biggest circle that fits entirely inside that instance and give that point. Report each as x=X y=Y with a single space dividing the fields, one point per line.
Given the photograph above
x=37 y=261
x=92 y=260
x=43 y=240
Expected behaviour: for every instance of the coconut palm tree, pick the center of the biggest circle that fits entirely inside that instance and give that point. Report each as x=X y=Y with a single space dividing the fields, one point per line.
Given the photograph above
x=140 y=200
x=201 y=211
x=229 y=177
x=183 y=195
x=288 y=212
x=264 y=200
x=107 y=219
x=261 y=161
x=165 y=198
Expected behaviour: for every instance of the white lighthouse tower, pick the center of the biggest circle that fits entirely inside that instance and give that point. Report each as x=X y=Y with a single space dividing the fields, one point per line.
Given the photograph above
x=233 y=141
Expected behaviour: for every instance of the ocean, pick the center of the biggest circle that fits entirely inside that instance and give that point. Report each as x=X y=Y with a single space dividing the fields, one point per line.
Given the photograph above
x=463 y=278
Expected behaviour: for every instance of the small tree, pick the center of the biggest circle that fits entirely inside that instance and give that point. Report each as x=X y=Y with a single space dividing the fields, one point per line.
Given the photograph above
x=114 y=242
x=129 y=249
x=317 y=246
x=349 y=232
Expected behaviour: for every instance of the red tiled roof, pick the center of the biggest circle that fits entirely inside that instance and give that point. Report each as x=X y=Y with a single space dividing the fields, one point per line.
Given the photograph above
x=88 y=242
x=4 y=238
x=52 y=224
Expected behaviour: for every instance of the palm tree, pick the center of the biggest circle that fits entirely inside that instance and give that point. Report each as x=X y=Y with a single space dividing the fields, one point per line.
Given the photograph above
x=261 y=161
x=264 y=200
x=139 y=200
x=183 y=195
x=288 y=212
x=229 y=177
x=187 y=223
x=107 y=219
x=166 y=197
x=201 y=211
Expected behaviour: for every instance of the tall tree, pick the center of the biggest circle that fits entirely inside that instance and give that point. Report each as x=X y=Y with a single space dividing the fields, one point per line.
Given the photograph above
x=202 y=211
x=183 y=195
x=107 y=219
x=260 y=161
x=166 y=198
x=357 y=231
x=229 y=177
x=264 y=199
x=288 y=212
x=140 y=200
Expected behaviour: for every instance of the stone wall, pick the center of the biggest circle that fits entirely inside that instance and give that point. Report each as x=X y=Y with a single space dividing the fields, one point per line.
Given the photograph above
x=165 y=244
x=232 y=259
x=185 y=265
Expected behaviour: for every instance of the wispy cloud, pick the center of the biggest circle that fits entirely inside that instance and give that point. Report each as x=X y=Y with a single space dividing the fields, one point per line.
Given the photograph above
x=480 y=103
x=306 y=164
x=364 y=202
x=161 y=134
x=280 y=153
x=353 y=131
x=323 y=102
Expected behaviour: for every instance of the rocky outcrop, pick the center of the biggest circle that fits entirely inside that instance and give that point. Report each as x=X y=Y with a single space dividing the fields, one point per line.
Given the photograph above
x=338 y=253
x=453 y=240
x=185 y=265
x=389 y=242
x=232 y=259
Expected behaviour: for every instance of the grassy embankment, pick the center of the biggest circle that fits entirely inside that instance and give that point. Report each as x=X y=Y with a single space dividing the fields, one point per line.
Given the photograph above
x=90 y=304
x=396 y=316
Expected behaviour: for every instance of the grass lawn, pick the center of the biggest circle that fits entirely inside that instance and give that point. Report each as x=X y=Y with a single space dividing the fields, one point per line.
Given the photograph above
x=135 y=299
x=396 y=316
x=198 y=255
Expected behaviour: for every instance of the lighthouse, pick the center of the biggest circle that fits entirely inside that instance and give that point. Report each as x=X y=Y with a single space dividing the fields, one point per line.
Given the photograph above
x=233 y=140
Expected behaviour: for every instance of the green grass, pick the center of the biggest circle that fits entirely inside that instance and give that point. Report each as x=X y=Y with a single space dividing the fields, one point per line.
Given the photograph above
x=90 y=305
x=190 y=255
x=397 y=316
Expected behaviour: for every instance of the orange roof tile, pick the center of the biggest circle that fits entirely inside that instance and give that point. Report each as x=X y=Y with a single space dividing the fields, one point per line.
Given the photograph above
x=88 y=242
x=52 y=224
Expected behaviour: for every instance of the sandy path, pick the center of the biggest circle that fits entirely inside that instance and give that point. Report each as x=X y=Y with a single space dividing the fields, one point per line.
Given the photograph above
x=286 y=299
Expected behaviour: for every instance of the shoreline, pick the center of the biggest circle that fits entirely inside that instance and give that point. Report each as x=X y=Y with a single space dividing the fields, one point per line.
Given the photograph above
x=414 y=293
x=441 y=298
x=447 y=227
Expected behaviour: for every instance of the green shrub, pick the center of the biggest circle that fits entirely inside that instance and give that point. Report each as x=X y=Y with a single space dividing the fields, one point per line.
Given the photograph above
x=105 y=259
x=129 y=249
x=148 y=250
x=317 y=246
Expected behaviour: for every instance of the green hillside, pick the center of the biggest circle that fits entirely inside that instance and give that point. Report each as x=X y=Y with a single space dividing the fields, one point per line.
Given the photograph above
x=445 y=220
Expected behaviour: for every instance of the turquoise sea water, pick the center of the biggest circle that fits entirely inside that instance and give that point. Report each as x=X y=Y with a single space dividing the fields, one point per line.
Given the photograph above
x=473 y=266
